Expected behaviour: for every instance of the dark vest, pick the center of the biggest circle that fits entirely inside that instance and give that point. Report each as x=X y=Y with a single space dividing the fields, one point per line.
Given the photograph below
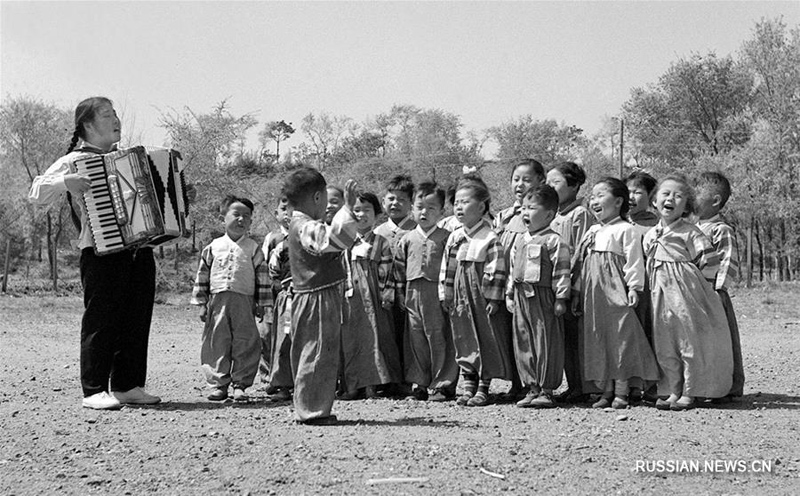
x=312 y=272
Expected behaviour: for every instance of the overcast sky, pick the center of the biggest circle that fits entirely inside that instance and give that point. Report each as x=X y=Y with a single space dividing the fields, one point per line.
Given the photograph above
x=488 y=62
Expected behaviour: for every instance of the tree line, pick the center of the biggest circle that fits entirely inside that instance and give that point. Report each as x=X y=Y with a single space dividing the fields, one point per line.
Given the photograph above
x=739 y=114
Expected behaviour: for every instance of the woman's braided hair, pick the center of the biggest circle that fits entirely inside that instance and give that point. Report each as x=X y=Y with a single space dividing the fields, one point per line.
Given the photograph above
x=84 y=112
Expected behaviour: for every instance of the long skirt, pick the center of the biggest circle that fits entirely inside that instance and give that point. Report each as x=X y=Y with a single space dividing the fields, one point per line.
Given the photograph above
x=538 y=338
x=316 y=338
x=430 y=355
x=615 y=346
x=281 y=345
x=480 y=341
x=369 y=349
x=690 y=333
x=737 y=388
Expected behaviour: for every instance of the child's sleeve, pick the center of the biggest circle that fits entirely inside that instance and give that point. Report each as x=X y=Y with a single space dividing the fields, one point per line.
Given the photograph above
x=263 y=293
x=724 y=239
x=494 y=273
x=704 y=256
x=576 y=258
x=317 y=238
x=386 y=284
x=634 y=259
x=447 y=273
x=559 y=257
x=582 y=220
x=399 y=269
x=202 y=281
x=512 y=258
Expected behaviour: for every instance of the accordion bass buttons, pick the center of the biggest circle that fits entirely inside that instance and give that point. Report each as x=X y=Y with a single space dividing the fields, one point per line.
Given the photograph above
x=117 y=201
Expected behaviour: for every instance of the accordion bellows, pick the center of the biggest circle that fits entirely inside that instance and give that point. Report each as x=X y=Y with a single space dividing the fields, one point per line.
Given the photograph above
x=137 y=197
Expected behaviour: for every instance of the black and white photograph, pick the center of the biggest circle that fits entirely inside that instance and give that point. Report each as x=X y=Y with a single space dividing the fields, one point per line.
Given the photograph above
x=399 y=247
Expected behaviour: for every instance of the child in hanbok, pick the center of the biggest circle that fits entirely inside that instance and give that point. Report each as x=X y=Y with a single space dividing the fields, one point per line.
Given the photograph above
x=369 y=351
x=509 y=226
x=571 y=222
x=612 y=274
x=430 y=356
x=713 y=191
x=471 y=287
x=537 y=295
x=690 y=331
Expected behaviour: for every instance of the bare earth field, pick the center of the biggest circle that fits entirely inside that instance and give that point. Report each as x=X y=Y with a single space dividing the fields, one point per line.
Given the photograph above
x=50 y=445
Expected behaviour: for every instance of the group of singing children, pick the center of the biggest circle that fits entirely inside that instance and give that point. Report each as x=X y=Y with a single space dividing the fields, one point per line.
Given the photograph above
x=550 y=286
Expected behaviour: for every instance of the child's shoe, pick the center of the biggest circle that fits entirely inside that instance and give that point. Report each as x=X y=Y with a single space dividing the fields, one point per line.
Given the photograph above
x=239 y=394
x=544 y=400
x=218 y=394
x=480 y=399
x=280 y=394
x=527 y=400
x=619 y=403
x=439 y=395
x=356 y=394
x=603 y=402
x=372 y=393
x=464 y=398
x=684 y=403
x=418 y=393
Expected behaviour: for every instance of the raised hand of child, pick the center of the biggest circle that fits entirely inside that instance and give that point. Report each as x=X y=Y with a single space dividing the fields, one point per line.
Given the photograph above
x=350 y=193
x=492 y=307
x=560 y=308
x=633 y=298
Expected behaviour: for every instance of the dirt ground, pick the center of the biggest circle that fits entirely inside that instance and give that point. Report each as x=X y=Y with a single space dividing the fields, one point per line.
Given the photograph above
x=187 y=445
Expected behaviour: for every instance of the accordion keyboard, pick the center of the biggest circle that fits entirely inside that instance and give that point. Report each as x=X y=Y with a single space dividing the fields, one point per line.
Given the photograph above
x=100 y=205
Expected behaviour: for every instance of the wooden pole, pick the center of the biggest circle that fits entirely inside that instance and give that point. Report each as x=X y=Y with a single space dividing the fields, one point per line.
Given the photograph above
x=621 y=141
x=5 y=268
x=749 y=252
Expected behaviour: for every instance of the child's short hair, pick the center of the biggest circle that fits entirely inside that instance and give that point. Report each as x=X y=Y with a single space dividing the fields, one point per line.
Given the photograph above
x=336 y=188
x=367 y=197
x=572 y=172
x=231 y=199
x=451 y=194
x=717 y=183
x=479 y=189
x=427 y=188
x=301 y=184
x=403 y=183
x=691 y=198
x=543 y=195
x=536 y=167
x=618 y=190
x=643 y=180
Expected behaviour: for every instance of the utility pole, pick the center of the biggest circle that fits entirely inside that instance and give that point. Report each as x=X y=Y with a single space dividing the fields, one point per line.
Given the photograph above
x=621 y=141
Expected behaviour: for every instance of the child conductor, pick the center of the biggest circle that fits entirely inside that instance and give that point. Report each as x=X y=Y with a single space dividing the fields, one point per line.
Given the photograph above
x=318 y=282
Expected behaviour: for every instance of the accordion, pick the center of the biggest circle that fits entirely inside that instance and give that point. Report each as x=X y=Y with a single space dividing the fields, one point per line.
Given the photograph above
x=136 y=197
